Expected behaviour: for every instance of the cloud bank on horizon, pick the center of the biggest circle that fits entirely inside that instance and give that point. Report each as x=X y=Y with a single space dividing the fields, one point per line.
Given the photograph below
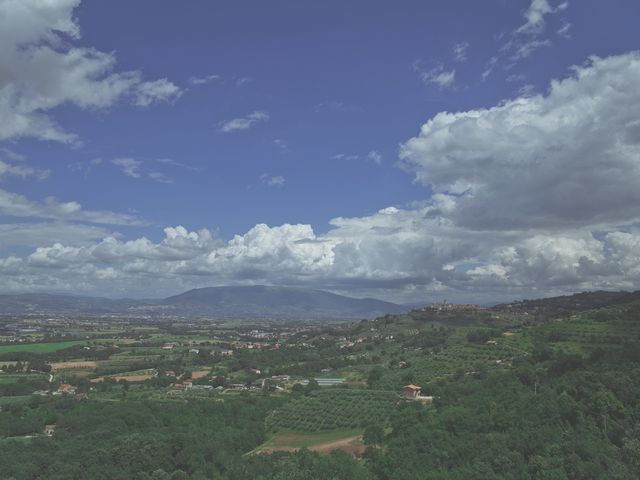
x=531 y=193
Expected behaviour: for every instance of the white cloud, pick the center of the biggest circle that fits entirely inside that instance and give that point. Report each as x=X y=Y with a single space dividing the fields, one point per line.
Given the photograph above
x=564 y=30
x=15 y=205
x=272 y=181
x=129 y=166
x=22 y=171
x=244 y=123
x=159 y=177
x=526 y=90
x=84 y=167
x=243 y=81
x=438 y=76
x=174 y=163
x=283 y=145
x=525 y=49
x=565 y=158
x=11 y=155
x=346 y=156
x=38 y=234
x=204 y=80
x=43 y=70
x=515 y=77
x=161 y=90
x=460 y=51
x=529 y=37
x=375 y=157
x=534 y=16
x=490 y=67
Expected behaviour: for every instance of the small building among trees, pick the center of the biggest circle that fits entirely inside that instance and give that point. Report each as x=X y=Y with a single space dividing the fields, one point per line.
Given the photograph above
x=411 y=391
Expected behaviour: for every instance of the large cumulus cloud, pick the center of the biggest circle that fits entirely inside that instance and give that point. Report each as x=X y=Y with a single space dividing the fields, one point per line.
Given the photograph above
x=565 y=158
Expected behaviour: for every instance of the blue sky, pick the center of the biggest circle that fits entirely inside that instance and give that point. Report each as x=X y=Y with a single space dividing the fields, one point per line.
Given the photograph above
x=122 y=120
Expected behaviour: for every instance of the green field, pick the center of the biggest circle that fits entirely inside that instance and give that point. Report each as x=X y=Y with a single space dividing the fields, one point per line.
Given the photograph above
x=40 y=347
x=11 y=378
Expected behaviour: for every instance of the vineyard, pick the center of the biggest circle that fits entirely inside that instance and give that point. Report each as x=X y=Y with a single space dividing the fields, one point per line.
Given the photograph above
x=426 y=366
x=604 y=328
x=332 y=409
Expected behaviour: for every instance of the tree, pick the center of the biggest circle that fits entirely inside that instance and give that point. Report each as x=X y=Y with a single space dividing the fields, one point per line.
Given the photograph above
x=373 y=435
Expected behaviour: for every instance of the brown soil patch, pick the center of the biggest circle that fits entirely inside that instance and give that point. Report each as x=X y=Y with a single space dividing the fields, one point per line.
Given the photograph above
x=84 y=365
x=351 y=445
x=128 y=378
x=199 y=374
x=354 y=446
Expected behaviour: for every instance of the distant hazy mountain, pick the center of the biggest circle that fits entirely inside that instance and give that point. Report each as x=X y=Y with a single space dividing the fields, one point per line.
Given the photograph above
x=223 y=302
x=262 y=301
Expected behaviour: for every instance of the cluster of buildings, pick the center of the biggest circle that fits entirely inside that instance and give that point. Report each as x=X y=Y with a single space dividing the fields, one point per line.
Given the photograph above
x=445 y=306
x=63 y=389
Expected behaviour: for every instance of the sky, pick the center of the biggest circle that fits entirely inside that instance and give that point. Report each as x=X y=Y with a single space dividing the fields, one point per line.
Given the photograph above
x=408 y=150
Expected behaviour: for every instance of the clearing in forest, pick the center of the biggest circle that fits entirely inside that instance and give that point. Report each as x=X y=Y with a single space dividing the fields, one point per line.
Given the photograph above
x=349 y=441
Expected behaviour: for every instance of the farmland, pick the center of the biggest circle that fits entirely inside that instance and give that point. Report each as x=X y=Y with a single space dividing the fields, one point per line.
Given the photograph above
x=333 y=409
x=349 y=441
x=47 y=347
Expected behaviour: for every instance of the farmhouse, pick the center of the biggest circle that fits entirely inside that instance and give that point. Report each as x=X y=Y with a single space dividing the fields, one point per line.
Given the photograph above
x=49 y=429
x=225 y=352
x=237 y=386
x=411 y=391
x=414 y=392
x=202 y=387
x=66 y=389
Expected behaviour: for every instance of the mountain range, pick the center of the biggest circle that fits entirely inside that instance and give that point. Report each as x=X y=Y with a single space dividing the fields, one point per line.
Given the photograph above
x=286 y=303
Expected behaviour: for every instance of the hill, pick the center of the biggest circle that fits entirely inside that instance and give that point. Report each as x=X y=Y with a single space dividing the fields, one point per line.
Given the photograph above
x=570 y=304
